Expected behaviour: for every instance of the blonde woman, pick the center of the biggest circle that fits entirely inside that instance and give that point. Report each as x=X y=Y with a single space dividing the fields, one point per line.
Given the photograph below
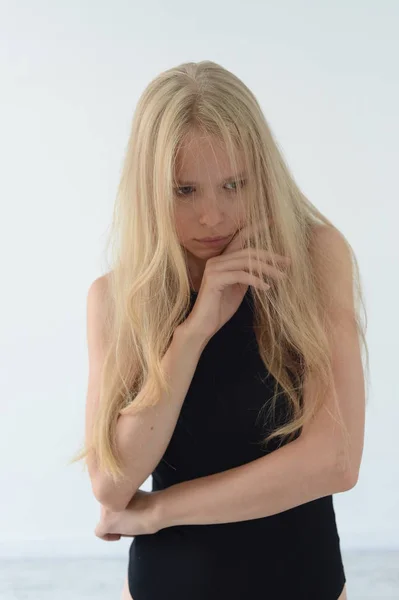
x=230 y=370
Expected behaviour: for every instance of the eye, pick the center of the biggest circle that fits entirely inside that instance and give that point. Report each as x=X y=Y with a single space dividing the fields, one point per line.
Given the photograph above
x=185 y=190
x=239 y=183
x=179 y=191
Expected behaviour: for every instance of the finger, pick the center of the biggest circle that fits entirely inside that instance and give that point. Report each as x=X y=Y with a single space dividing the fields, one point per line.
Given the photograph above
x=245 y=253
x=240 y=262
x=242 y=235
x=248 y=230
x=112 y=537
x=242 y=277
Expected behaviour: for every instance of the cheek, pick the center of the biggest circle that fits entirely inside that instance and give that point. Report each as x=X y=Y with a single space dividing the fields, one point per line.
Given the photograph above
x=182 y=225
x=237 y=212
x=238 y=217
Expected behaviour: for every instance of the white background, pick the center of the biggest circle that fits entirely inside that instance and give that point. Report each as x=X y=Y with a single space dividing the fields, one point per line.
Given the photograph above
x=326 y=76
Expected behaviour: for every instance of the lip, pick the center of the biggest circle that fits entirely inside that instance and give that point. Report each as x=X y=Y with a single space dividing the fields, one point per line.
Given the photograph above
x=214 y=240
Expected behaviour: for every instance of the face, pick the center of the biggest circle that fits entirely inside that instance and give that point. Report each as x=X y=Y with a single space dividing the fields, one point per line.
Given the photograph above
x=206 y=200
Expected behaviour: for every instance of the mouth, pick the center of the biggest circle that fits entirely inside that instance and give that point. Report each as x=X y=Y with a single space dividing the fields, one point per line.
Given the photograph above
x=215 y=241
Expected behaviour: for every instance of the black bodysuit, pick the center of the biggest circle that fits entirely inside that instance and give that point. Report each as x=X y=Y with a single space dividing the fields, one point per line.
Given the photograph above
x=293 y=555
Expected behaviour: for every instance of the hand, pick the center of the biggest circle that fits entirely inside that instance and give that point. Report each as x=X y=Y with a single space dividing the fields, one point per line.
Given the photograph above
x=105 y=525
x=225 y=282
x=138 y=517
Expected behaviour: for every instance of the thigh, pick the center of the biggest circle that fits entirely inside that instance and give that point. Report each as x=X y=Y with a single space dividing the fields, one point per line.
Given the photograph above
x=126 y=593
x=343 y=596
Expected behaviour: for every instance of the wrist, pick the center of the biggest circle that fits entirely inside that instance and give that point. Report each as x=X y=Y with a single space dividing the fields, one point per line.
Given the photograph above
x=158 y=516
x=191 y=337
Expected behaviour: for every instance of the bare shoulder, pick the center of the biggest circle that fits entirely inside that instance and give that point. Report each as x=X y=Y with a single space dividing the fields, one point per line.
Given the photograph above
x=99 y=293
x=99 y=288
x=332 y=260
x=98 y=304
x=328 y=241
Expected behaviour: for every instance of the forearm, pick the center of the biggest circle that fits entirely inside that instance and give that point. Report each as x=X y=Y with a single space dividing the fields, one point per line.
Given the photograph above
x=142 y=439
x=287 y=477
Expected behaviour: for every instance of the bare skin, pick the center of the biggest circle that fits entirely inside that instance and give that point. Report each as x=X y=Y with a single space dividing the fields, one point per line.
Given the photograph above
x=125 y=592
x=205 y=208
x=209 y=205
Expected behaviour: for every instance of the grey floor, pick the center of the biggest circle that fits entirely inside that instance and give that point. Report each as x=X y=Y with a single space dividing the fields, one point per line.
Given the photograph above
x=370 y=576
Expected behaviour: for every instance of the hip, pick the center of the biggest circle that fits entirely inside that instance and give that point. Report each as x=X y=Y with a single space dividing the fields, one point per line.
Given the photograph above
x=126 y=595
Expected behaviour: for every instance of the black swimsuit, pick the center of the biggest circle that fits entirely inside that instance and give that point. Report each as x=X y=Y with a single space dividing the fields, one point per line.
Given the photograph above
x=293 y=555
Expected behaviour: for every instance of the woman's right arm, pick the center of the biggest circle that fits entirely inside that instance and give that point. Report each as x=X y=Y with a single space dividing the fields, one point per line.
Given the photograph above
x=141 y=439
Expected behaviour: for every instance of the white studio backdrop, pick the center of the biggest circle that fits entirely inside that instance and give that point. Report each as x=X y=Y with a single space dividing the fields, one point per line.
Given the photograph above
x=326 y=76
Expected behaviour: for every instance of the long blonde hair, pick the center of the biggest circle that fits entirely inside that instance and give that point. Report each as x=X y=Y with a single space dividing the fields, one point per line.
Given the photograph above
x=291 y=322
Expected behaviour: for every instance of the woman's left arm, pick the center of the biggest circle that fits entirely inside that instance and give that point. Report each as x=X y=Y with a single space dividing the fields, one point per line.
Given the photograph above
x=310 y=467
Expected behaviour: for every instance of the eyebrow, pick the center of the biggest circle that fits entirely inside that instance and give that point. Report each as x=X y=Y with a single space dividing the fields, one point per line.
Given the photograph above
x=238 y=176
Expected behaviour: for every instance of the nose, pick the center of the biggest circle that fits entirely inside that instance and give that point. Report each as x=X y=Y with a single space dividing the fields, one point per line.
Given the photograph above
x=211 y=214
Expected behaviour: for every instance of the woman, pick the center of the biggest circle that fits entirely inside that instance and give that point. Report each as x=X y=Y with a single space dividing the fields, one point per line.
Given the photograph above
x=231 y=370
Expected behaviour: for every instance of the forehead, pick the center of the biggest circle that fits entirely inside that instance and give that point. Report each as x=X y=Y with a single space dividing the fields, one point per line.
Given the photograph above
x=203 y=157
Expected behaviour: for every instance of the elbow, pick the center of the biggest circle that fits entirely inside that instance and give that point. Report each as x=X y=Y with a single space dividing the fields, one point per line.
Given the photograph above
x=349 y=479
x=113 y=504
x=346 y=481
x=112 y=497
x=99 y=493
x=345 y=474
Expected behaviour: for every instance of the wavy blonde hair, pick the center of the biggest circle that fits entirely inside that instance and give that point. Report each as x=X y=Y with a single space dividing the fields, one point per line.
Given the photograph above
x=291 y=322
